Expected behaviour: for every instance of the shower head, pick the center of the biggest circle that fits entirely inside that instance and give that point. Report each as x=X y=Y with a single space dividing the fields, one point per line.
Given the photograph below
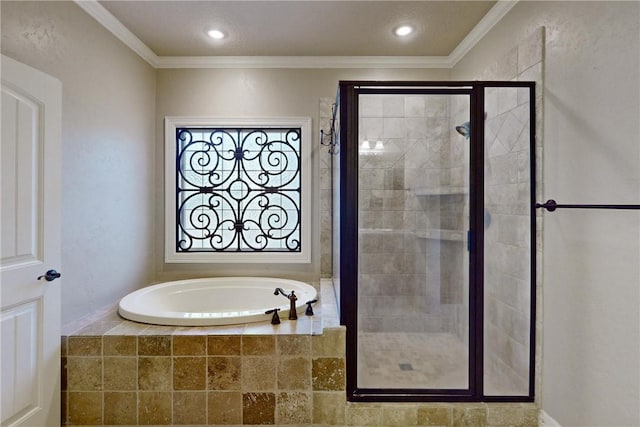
x=464 y=129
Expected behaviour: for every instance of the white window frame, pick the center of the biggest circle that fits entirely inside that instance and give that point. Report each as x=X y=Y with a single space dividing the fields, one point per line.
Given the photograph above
x=172 y=255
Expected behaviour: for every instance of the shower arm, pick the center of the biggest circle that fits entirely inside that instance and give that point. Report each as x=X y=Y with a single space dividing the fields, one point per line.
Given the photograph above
x=551 y=205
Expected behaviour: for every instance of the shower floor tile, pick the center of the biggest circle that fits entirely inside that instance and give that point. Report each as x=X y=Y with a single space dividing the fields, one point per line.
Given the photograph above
x=412 y=360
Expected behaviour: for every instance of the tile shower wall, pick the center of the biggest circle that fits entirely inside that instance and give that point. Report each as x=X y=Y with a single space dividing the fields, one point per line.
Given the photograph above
x=459 y=113
x=326 y=226
x=507 y=239
x=410 y=233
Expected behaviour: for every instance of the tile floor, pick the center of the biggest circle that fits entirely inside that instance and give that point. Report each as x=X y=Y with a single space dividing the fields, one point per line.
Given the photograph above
x=412 y=360
x=421 y=360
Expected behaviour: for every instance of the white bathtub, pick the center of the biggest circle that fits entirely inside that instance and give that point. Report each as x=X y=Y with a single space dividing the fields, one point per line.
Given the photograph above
x=213 y=301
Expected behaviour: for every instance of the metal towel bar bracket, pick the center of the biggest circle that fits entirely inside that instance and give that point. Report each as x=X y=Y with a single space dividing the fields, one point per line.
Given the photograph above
x=551 y=205
x=330 y=138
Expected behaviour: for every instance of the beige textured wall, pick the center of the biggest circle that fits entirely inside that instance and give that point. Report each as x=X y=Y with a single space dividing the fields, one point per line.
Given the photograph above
x=113 y=145
x=107 y=148
x=591 y=350
x=257 y=93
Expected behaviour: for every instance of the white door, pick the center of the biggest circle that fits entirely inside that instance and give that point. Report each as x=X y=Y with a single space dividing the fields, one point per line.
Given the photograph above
x=30 y=234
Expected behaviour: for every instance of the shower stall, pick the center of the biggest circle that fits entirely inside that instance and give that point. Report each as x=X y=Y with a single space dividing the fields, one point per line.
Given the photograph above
x=434 y=231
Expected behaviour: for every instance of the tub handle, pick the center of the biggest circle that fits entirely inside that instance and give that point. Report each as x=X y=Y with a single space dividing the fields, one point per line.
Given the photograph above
x=275 y=319
x=309 y=311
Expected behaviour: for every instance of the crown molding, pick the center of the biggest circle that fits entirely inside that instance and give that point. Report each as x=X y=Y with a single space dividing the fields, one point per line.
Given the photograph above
x=303 y=62
x=111 y=23
x=495 y=14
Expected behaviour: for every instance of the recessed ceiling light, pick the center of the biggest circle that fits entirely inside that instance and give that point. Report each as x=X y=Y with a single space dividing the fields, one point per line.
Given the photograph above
x=403 y=30
x=215 y=34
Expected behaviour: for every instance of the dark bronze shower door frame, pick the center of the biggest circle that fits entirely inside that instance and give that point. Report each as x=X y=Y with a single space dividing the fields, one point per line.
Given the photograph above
x=348 y=93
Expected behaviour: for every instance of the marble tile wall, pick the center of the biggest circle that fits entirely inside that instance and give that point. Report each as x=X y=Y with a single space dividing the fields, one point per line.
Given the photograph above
x=409 y=278
x=326 y=195
x=507 y=199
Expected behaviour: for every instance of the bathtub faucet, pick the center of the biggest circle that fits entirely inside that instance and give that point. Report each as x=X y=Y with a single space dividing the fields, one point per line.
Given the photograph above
x=293 y=315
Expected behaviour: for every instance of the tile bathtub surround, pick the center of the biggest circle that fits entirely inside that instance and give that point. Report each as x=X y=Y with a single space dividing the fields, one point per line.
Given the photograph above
x=199 y=379
x=117 y=372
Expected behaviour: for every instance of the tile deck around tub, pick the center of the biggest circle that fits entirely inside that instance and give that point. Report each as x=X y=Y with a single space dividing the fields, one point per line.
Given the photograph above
x=109 y=322
x=119 y=372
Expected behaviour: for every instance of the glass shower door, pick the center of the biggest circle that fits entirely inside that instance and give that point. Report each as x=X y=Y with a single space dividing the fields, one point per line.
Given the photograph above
x=437 y=240
x=413 y=263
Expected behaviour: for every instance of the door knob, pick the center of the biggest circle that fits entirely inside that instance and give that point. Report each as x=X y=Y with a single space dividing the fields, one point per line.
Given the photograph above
x=50 y=276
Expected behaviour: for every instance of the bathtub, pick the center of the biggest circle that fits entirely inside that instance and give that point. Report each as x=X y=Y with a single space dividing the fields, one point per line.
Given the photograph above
x=213 y=301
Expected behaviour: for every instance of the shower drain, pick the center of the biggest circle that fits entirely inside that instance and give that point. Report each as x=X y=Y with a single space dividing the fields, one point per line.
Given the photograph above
x=405 y=367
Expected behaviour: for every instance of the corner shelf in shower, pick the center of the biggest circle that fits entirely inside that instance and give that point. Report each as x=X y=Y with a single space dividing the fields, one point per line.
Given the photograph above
x=440 y=191
x=441 y=234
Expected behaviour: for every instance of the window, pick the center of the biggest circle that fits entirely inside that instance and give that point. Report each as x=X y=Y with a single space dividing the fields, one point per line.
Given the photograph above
x=237 y=190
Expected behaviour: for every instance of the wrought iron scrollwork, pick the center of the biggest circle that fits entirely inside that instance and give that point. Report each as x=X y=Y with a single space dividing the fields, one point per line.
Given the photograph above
x=238 y=189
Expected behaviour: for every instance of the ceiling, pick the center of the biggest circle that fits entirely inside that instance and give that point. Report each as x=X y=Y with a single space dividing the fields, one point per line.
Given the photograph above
x=298 y=33
x=299 y=28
